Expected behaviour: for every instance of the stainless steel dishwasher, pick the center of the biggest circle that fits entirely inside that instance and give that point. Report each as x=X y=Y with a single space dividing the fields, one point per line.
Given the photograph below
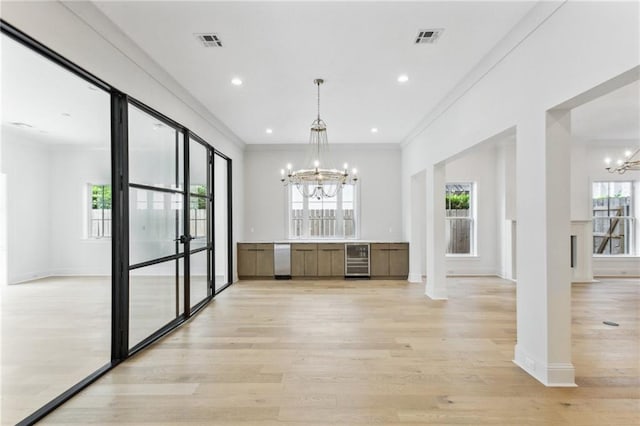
x=282 y=261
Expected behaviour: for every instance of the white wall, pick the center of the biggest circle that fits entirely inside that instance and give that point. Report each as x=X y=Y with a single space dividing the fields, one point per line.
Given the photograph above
x=551 y=65
x=379 y=186
x=549 y=59
x=478 y=166
x=25 y=162
x=507 y=86
x=71 y=170
x=587 y=166
x=79 y=32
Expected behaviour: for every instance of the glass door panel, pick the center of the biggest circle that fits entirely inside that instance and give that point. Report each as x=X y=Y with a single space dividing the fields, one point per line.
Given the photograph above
x=198 y=274
x=55 y=230
x=220 y=220
x=199 y=221
x=156 y=224
x=155 y=151
x=155 y=295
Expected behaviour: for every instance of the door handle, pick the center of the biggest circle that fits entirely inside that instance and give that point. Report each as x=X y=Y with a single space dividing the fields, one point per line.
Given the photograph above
x=182 y=239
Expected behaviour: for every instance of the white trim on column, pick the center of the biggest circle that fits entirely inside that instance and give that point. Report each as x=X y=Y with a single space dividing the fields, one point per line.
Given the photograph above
x=434 y=294
x=552 y=374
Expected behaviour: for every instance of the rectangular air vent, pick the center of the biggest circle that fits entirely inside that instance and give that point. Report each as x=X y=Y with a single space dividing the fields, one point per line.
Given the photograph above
x=429 y=36
x=209 y=40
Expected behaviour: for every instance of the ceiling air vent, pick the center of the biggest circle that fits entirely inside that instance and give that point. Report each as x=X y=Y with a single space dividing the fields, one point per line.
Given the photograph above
x=209 y=40
x=429 y=36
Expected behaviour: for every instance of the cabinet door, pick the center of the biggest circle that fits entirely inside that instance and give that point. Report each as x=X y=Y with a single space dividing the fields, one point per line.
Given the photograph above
x=399 y=260
x=311 y=261
x=337 y=261
x=297 y=260
x=246 y=260
x=264 y=260
x=325 y=256
x=379 y=260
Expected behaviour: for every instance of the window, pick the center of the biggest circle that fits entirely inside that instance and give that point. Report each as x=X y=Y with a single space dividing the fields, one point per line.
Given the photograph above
x=198 y=215
x=613 y=221
x=324 y=218
x=460 y=218
x=100 y=221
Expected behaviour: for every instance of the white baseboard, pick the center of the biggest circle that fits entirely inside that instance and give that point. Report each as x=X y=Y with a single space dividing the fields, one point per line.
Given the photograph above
x=22 y=278
x=552 y=374
x=437 y=295
x=415 y=278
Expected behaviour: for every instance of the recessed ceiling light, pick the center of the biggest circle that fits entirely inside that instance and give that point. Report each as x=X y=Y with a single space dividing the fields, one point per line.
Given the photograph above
x=236 y=81
x=374 y=130
x=66 y=114
x=403 y=78
x=269 y=131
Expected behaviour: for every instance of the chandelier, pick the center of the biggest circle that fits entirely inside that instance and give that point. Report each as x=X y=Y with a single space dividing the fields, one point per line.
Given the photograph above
x=320 y=179
x=631 y=162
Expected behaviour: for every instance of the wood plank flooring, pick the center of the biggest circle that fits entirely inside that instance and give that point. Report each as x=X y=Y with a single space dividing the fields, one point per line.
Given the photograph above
x=371 y=352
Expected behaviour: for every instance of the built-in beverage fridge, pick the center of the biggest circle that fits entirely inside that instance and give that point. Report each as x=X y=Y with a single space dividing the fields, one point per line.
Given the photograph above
x=356 y=260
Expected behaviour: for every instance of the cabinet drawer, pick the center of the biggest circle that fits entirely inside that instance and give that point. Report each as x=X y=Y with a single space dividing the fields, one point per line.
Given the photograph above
x=331 y=247
x=398 y=246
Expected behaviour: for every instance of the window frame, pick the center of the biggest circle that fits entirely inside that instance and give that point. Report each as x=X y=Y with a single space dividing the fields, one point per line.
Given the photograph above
x=631 y=218
x=472 y=218
x=91 y=220
x=340 y=224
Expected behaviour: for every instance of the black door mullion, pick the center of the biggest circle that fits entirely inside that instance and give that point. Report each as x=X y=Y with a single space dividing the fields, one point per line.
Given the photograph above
x=229 y=225
x=177 y=213
x=211 y=277
x=187 y=224
x=120 y=227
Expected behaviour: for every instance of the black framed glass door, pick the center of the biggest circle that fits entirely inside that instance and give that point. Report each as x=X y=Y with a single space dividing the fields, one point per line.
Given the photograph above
x=162 y=262
x=200 y=197
x=157 y=241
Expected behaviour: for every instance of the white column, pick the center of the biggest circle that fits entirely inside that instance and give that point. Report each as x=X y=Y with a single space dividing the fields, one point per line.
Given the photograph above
x=543 y=154
x=416 y=232
x=436 y=287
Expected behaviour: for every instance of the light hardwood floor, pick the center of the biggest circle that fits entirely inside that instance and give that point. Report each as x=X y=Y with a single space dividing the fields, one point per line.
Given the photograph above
x=339 y=352
x=371 y=352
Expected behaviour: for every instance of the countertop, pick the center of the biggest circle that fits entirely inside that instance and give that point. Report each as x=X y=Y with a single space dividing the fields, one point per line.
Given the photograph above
x=328 y=241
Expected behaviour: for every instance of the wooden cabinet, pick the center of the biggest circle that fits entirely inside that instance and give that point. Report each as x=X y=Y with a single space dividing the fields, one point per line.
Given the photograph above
x=331 y=260
x=304 y=260
x=389 y=260
x=255 y=260
x=322 y=260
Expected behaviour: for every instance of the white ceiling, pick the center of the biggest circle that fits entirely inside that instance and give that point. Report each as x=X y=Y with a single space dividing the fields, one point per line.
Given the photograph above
x=56 y=106
x=614 y=117
x=278 y=48
x=278 y=70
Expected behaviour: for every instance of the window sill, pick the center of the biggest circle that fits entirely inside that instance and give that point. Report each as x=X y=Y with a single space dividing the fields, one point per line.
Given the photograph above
x=616 y=256
x=462 y=256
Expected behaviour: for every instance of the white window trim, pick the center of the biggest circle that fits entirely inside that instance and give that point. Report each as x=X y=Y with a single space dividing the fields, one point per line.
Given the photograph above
x=473 y=217
x=88 y=223
x=305 y=216
x=635 y=221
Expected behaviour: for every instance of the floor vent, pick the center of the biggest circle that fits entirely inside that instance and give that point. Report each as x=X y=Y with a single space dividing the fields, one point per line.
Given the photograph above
x=429 y=36
x=209 y=40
